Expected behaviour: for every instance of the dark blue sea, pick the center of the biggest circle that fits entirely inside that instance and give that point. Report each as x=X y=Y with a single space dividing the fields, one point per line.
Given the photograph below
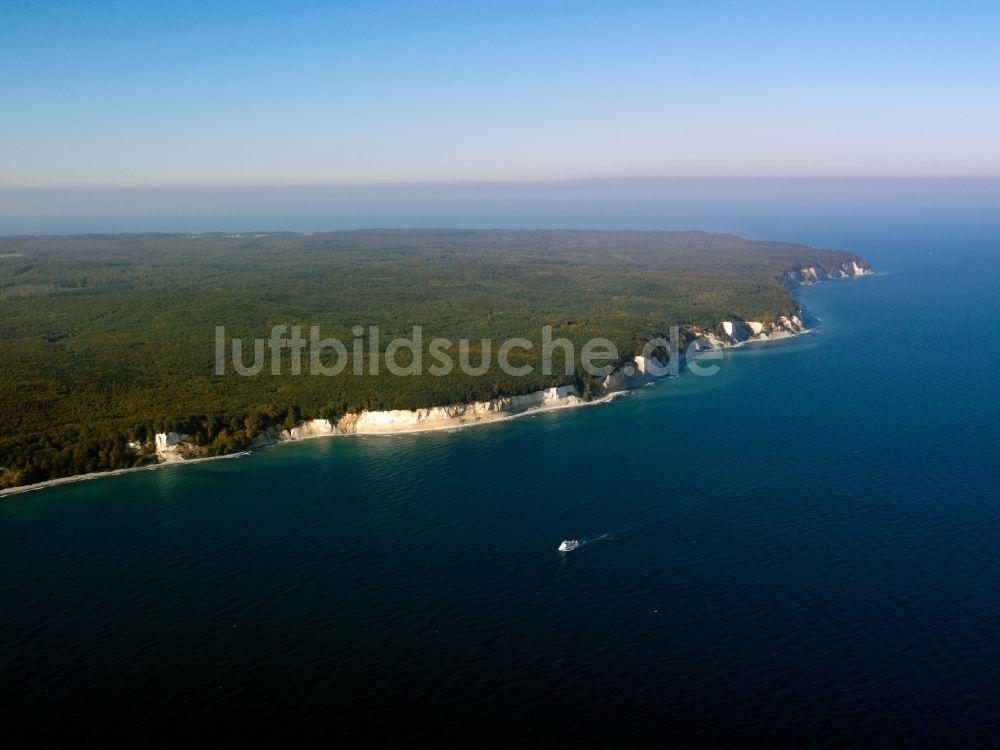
x=803 y=550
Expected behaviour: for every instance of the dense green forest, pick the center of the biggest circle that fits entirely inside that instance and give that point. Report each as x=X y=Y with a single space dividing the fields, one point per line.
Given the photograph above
x=109 y=338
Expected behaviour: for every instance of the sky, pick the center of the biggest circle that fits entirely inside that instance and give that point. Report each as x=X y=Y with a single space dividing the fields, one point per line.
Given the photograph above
x=105 y=94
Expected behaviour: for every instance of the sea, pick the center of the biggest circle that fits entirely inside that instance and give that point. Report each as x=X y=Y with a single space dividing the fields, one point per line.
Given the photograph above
x=801 y=550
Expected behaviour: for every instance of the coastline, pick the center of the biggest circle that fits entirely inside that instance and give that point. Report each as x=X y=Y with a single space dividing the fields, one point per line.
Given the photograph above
x=285 y=436
x=267 y=440
x=113 y=473
x=627 y=377
x=500 y=418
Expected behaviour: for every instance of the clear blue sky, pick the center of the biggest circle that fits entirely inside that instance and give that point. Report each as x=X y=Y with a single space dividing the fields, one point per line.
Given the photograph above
x=180 y=93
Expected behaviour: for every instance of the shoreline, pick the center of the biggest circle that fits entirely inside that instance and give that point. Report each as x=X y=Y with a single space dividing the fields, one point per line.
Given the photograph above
x=48 y=483
x=607 y=398
x=498 y=417
x=114 y=473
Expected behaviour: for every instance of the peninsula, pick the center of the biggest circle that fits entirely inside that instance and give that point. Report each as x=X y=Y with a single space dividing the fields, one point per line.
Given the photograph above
x=114 y=362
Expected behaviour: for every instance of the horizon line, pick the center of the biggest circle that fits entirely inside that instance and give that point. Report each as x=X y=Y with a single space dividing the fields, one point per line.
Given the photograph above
x=257 y=184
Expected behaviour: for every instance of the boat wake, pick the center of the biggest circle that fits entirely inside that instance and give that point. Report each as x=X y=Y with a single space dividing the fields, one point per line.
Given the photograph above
x=608 y=536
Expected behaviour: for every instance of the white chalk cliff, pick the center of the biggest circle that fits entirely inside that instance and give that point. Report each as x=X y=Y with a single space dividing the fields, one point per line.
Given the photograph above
x=738 y=331
x=169 y=446
x=435 y=417
x=816 y=273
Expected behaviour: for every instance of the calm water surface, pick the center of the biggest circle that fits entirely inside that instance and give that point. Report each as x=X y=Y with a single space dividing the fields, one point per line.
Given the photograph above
x=803 y=549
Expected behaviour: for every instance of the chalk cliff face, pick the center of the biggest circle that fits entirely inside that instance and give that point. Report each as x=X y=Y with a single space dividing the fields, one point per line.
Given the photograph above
x=169 y=439
x=169 y=445
x=738 y=331
x=632 y=373
x=816 y=273
x=437 y=417
x=433 y=418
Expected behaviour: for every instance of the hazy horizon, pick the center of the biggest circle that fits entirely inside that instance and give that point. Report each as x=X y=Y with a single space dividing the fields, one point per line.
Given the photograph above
x=755 y=208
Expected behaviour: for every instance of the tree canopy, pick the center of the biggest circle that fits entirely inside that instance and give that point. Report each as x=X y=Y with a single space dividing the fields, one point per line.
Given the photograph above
x=109 y=338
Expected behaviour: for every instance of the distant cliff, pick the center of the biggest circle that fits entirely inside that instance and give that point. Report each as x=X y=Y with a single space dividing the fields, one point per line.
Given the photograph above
x=815 y=273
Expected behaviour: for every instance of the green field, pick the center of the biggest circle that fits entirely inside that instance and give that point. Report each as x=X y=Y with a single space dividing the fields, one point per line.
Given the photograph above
x=108 y=338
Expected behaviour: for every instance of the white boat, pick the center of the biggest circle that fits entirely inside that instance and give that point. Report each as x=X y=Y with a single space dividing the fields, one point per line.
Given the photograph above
x=569 y=545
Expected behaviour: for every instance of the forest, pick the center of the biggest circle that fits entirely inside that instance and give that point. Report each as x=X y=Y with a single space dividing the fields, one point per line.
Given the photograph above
x=110 y=338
